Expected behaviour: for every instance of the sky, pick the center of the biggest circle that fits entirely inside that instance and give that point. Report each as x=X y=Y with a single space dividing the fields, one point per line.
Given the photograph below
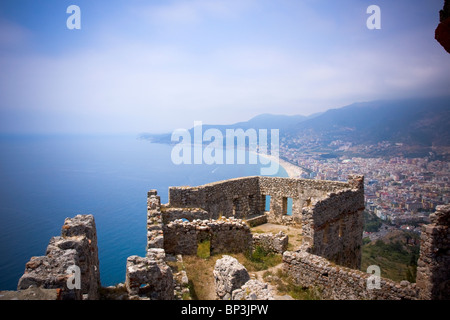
x=152 y=66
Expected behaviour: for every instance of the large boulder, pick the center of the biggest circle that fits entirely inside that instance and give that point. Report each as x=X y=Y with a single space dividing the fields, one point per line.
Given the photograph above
x=229 y=275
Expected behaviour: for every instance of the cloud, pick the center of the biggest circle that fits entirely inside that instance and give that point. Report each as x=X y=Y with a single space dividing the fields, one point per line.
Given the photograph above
x=124 y=82
x=192 y=11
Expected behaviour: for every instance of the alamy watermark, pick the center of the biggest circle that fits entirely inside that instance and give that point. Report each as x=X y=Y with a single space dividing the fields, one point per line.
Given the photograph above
x=374 y=20
x=74 y=20
x=74 y=281
x=221 y=150
x=373 y=282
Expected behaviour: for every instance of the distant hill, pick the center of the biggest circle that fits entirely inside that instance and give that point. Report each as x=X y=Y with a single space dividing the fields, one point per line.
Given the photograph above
x=415 y=124
x=262 y=121
x=424 y=122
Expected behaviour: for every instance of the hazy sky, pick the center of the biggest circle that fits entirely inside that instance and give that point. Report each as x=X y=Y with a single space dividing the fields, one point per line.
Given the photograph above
x=152 y=66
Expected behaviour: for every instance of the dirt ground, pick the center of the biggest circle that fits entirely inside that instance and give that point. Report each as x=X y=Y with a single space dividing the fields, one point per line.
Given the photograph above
x=200 y=271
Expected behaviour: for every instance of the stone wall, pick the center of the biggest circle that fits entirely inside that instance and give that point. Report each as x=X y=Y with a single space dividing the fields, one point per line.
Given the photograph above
x=77 y=246
x=332 y=226
x=302 y=192
x=170 y=214
x=338 y=282
x=270 y=243
x=433 y=270
x=245 y=197
x=149 y=276
x=155 y=238
x=236 y=198
x=225 y=236
x=341 y=283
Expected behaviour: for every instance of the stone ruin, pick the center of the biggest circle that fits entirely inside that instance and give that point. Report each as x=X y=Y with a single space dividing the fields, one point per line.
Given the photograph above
x=149 y=276
x=328 y=212
x=77 y=246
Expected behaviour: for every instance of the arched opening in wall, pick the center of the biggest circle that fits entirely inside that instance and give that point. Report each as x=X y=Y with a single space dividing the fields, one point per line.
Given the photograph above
x=267 y=203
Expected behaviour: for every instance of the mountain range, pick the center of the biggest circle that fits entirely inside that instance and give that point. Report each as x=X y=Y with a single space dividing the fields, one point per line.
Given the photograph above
x=423 y=122
x=409 y=124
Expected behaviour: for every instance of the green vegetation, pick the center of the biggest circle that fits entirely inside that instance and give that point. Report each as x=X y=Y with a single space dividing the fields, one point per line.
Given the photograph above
x=200 y=268
x=260 y=259
x=285 y=285
x=204 y=249
x=371 y=222
x=396 y=259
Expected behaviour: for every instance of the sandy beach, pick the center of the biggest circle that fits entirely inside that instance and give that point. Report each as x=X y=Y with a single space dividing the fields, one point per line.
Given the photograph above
x=292 y=170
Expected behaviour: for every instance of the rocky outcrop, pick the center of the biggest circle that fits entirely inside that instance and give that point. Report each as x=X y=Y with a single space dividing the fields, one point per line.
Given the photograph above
x=71 y=262
x=233 y=282
x=229 y=275
x=149 y=276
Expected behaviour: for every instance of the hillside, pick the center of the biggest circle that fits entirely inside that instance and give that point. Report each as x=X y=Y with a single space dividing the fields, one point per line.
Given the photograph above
x=263 y=121
x=421 y=122
x=396 y=255
x=408 y=127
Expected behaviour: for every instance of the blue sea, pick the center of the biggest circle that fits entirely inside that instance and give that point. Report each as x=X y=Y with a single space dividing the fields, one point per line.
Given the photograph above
x=44 y=179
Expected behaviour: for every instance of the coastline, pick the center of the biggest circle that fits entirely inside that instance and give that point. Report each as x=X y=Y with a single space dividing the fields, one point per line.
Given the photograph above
x=292 y=170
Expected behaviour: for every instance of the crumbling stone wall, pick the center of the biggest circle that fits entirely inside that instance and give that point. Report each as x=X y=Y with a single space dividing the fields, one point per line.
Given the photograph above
x=77 y=246
x=270 y=243
x=149 y=276
x=433 y=266
x=225 y=235
x=245 y=197
x=236 y=198
x=155 y=238
x=190 y=214
x=332 y=226
x=341 y=283
x=329 y=212
x=303 y=192
x=338 y=282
